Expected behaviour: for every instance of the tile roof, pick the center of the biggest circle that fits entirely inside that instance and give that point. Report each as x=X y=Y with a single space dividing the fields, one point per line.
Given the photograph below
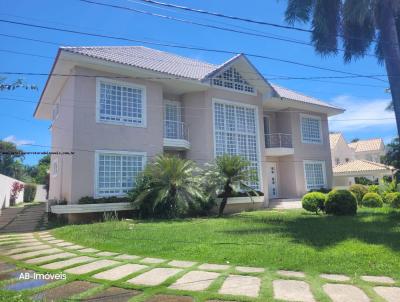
x=374 y=144
x=334 y=138
x=293 y=95
x=148 y=58
x=360 y=166
x=174 y=65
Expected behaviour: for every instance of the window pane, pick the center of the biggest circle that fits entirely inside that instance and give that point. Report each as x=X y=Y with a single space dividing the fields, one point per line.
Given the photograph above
x=121 y=104
x=314 y=173
x=232 y=79
x=117 y=173
x=311 y=129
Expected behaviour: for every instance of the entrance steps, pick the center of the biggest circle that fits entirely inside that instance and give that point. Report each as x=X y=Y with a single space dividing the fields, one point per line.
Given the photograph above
x=285 y=203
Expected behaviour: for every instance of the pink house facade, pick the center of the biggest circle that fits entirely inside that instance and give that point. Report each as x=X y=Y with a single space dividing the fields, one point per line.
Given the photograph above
x=118 y=107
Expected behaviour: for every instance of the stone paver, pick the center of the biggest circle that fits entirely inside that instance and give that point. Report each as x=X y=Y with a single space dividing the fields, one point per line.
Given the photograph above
x=113 y=294
x=169 y=298
x=214 y=267
x=378 y=279
x=248 y=269
x=6 y=267
x=126 y=257
x=74 y=247
x=88 y=250
x=241 y=286
x=55 y=241
x=292 y=290
x=152 y=260
x=345 y=293
x=155 y=276
x=291 y=274
x=14 y=274
x=106 y=254
x=120 y=272
x=181 y=264
x=69 y=262
x=90 y=267
x=195 y=281
x=28 y=244
x=64 y=291
x=50 y=258
x=335 y=277
x=25 y=249
x=390 y=294
x=35 y=253
x=62 y=244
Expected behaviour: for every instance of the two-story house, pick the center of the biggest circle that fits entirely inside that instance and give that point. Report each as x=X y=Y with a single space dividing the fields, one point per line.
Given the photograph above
x=118 y=107
x=357 y=159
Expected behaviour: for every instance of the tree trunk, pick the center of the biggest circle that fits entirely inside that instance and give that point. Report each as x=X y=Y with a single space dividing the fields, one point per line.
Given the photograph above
x=391 y=50
x=227 y=193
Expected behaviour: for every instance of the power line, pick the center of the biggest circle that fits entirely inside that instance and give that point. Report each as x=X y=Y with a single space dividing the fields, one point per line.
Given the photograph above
x=261 y=35
x=184 y=47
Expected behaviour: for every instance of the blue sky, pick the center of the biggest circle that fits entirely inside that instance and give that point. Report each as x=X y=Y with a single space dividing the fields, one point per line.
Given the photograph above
x=364 y=99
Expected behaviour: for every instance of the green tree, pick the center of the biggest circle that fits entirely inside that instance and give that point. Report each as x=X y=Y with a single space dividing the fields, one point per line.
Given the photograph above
x=229 y=173
x=358 y=23
x=42 y=169
x=10 y=160
x=392 y=156
x=167 y=187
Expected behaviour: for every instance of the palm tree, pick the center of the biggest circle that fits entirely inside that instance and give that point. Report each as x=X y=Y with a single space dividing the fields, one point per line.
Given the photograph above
x=168 y=186
x=358 y=23
x=227 y=174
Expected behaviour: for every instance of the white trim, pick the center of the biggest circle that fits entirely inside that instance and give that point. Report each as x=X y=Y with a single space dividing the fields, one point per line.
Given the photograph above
x=96 y=167
x=143 y=124
x=323 y=171
x=320 y=128
x=231 y=89
x=257 y=122
x=56 y=105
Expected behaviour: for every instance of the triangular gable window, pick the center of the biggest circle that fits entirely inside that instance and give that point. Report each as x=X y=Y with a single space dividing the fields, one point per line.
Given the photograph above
x=232 y=79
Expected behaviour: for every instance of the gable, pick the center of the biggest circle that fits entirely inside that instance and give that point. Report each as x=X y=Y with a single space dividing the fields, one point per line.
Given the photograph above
x=231 y=78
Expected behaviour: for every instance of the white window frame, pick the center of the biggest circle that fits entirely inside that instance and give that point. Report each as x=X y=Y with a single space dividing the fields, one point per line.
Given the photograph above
x=323 y=172
x=232 y=89
x=304 y=141
x=143 y=124
x=110 y=152
x=54 y=163
x=257 y=125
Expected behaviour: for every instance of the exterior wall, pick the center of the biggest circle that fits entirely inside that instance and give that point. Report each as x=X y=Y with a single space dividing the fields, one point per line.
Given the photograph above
x=62 y=141
x=291 y=176
x=374 y=156
x=341 y=152
x=5 y=189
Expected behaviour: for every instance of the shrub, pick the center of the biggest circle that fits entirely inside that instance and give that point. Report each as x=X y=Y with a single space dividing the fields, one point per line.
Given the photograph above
x=320 y=190
x=341 y=202
x=372 y=200
x=29 y=192
x=393 y=199
x=16 y=188
x=314 y=202
x=111 y=199
x=373 y=189
x=359 y=191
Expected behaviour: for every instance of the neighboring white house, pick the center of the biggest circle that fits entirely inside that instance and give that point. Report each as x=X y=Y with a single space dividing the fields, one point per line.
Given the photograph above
x=358 y=159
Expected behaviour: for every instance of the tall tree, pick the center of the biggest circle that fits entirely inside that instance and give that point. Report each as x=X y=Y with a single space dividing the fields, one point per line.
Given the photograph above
x=359 y=23
x=9 y=159
x=392 y=156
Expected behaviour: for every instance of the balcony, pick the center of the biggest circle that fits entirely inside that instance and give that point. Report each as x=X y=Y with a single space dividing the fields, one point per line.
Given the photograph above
x=176 y=136
x=278 y=144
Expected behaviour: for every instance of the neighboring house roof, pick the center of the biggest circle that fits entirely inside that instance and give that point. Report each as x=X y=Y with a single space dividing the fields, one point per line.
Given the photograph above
x=375 y=144
x=293 y=95
x=334 y=139
x=362 y=167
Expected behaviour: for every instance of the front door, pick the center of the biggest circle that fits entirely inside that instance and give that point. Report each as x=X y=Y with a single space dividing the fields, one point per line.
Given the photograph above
x=272 y=174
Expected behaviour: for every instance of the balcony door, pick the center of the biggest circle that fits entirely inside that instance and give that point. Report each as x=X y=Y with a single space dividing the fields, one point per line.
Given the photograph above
x=173 y=127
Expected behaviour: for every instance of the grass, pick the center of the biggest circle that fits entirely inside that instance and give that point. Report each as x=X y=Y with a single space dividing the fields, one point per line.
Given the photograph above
x=368 y=243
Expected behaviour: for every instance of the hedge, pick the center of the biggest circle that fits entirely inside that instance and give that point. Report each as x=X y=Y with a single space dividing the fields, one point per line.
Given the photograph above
x=29 y=192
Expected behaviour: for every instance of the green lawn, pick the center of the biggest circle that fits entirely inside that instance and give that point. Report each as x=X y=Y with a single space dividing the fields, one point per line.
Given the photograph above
x=366 y=244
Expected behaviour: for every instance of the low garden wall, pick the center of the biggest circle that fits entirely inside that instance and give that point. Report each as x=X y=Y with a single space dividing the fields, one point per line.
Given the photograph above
x=5 y=188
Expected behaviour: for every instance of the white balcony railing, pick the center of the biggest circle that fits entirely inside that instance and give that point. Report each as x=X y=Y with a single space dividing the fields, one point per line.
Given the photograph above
x=175 y=130
x=278 y=140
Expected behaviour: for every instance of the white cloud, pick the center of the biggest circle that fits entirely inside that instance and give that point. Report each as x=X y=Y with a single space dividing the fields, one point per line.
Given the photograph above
x=18 y=142
x=361 y=113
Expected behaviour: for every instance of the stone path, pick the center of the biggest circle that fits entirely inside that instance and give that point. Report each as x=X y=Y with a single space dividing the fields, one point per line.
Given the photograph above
x=136 y=274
